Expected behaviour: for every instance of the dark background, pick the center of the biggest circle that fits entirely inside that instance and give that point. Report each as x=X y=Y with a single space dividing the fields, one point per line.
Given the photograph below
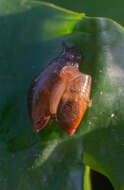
x=106 y=8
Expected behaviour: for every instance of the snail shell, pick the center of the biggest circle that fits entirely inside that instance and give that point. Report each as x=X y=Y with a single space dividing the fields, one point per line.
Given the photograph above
x=60 y=89
x=47 y=85
x=75 y=99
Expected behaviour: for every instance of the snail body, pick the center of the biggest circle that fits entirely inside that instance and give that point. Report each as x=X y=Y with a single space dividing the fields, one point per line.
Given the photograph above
x=60 y=89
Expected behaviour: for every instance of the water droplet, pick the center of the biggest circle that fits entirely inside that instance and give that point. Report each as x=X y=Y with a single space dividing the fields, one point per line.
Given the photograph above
x=112 y=115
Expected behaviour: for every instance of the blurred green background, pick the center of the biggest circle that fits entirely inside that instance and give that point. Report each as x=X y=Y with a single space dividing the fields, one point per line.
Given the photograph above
x=107 y=8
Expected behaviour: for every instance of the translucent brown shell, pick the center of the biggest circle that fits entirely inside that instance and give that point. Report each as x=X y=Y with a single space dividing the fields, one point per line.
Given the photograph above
x=60 y=89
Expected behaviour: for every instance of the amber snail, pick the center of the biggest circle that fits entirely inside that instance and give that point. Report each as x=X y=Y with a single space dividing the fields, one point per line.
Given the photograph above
x=60 y=89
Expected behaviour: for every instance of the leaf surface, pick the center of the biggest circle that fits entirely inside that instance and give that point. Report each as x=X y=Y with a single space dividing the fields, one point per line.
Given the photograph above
x=31 y=36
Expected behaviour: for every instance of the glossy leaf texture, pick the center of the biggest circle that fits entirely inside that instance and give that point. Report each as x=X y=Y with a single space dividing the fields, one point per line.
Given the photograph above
x=31 y=36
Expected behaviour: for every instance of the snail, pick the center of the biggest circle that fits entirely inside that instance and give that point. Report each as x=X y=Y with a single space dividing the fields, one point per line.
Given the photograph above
x=60 y=89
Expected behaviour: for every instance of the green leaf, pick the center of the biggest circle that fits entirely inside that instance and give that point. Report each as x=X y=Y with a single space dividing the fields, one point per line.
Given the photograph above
x=111 y=9
x=31 y=36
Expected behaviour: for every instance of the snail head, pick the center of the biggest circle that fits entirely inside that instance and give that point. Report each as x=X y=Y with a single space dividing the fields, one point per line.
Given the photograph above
x=72 y=54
